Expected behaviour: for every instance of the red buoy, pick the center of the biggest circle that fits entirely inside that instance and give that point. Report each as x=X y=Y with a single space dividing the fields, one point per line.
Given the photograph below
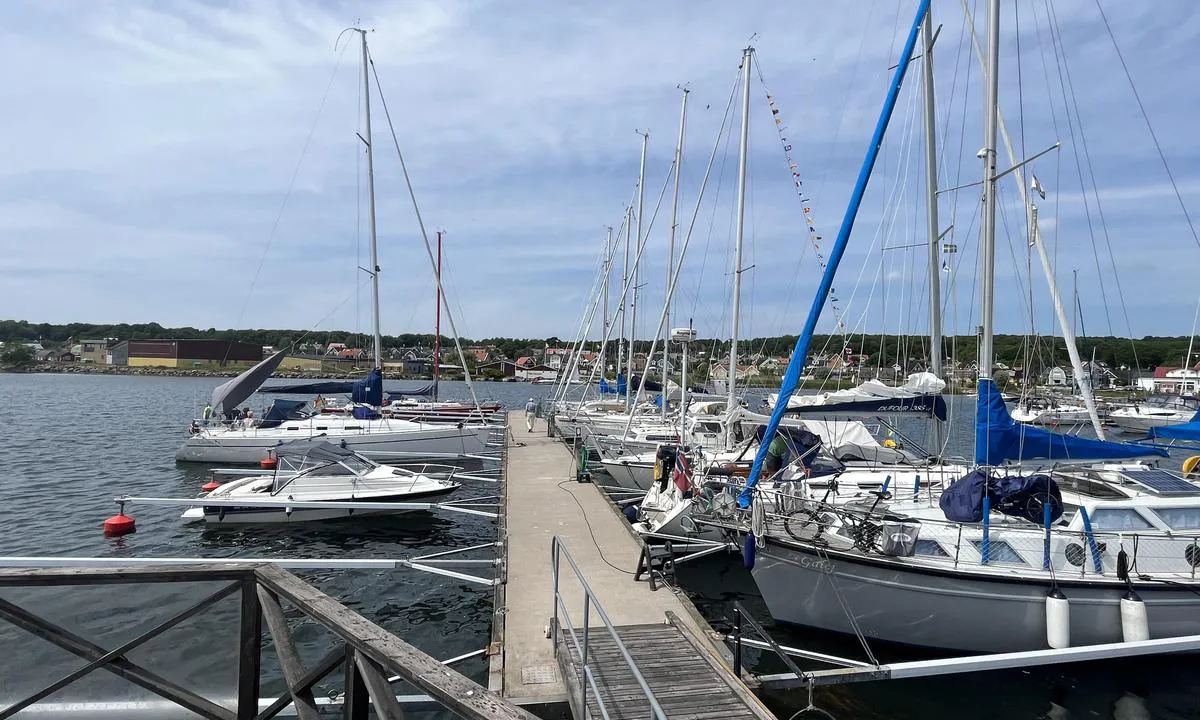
x=268 y=463
x=210 y=486
x=118 y=525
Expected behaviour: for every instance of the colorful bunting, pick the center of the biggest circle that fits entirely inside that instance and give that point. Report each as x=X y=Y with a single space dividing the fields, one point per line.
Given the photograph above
x=813 y=237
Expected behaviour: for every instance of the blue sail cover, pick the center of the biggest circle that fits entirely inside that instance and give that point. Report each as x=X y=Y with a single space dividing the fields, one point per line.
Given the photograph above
x=369 y=390
x=343 y=387
x=1189 y=430
x=932 y=405
x=999 y=438
x=619 y=389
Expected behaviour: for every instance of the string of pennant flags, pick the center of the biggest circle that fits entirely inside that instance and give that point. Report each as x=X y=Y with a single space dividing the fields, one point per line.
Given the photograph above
x=805 y=202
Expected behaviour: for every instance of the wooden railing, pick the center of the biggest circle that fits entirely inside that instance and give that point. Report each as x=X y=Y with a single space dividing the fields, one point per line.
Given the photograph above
x=367 y=653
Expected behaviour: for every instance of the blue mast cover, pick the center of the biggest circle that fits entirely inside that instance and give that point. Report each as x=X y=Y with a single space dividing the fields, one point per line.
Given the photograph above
x=369 y=390
x=999 y=438
x=791 y=378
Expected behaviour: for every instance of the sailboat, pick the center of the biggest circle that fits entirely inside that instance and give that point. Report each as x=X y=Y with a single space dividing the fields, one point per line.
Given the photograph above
x=364 y=430
x=998 y=562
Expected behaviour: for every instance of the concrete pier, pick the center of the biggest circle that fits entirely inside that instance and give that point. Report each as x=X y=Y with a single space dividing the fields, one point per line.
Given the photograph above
x=541 y=500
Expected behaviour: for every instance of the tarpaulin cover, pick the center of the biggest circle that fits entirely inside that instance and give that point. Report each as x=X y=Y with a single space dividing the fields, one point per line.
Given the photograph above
x=369 y=390
x=1016 y=495
x=999 y=438
x=1189 y=430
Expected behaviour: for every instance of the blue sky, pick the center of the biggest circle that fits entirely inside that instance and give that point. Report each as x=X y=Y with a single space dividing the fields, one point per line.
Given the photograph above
x=149 y=148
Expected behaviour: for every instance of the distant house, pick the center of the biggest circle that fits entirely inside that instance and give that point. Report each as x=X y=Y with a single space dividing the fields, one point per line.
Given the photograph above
x=93 y=351
x=770 y=365
x=335 y=348
x=507 y=368
x=416 y=365
x=525 y=361
x=1060 y=377
x=536 y=372
x=720 y=371
x=1173 y=380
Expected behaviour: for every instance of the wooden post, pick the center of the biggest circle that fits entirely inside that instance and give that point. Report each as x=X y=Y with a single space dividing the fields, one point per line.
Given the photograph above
x=249 y=651
x=289 y=659
x=356 y=704
x=386 y=706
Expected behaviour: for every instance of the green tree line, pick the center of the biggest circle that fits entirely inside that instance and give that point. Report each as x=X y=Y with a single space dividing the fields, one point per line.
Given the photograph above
x=907 y=350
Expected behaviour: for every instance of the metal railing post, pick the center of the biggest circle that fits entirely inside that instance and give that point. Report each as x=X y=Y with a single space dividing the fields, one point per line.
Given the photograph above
x=554 y=573
x=737 y=641
x=587 y=607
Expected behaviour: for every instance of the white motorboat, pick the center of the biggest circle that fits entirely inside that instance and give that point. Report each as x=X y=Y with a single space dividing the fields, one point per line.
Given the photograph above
x=1050 y=411
x=317 y=471
x=1157 y=411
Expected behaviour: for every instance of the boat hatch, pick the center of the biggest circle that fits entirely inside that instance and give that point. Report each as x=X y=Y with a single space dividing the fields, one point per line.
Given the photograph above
x=1161 y=482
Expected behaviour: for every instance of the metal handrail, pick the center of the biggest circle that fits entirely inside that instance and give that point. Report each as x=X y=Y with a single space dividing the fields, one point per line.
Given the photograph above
x=557 y=550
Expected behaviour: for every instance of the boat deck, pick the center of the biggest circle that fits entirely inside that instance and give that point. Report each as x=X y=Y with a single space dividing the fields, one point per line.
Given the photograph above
x=542 y=500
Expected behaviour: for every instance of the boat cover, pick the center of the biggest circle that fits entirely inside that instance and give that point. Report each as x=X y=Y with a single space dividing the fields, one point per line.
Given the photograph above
x=228 y=395
x=618 y=389
x=280 y=411
x=921 y=394
x=999 y=438
x=369 y=390
x=343 y=387
x=319 y=450
x=1189 y=430
x=1016 y=495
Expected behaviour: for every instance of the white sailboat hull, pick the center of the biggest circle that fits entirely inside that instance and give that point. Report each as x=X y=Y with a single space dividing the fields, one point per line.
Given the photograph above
x=374 y=437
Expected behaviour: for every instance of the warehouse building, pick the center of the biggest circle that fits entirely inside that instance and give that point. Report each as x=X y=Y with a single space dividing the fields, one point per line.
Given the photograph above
x=184 y=354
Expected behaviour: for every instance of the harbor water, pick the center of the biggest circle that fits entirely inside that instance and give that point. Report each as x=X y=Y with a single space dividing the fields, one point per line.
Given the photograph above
x=72 y=443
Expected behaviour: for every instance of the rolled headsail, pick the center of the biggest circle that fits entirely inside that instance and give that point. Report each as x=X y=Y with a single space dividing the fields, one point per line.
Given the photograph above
x=227 y=396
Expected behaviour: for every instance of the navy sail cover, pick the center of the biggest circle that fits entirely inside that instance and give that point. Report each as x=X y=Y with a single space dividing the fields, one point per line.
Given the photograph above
x=931 y=405
x=1188 y=431
x=343 y=387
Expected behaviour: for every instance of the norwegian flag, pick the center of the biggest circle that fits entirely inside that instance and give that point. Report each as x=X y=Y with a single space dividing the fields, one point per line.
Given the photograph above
x=682 y=474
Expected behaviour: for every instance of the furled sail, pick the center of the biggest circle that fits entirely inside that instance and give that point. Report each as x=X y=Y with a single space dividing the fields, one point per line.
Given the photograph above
x=228 y=395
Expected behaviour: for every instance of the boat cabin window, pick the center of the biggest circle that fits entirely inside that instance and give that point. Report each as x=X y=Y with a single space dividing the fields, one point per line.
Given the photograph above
x=1119 y=519
x=1000 y=552
x=1183 y=518
x=931 y=548
x=1086 y=486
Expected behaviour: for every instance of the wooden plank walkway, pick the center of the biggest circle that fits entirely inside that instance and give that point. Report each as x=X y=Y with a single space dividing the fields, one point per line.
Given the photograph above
x=687 y=681
x=541 y=500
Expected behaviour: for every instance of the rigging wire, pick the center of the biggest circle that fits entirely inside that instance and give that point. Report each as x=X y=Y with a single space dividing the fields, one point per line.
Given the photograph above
x=291 y=185
x=1146 y=117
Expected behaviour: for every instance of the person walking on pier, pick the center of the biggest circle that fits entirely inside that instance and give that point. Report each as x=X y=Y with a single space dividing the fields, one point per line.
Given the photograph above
x=530 y=414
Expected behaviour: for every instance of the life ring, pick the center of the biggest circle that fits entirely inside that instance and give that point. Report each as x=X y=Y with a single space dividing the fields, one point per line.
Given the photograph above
x=889 y=443
x=1191 y=466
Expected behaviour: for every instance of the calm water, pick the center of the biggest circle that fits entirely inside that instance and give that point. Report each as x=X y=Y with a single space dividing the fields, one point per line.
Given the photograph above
x=70 y=443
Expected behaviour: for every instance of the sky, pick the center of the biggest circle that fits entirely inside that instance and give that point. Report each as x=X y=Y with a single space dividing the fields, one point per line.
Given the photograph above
x=198 y=163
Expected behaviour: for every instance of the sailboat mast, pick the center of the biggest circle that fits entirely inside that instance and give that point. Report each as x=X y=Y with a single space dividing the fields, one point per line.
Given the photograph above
x=603 y=360
x=437 y=324
x=743 y=148
x=641 y=199
x=931 y=182
x=988 y=226
x=624 y=295
x=371 y=202
x=671 y=245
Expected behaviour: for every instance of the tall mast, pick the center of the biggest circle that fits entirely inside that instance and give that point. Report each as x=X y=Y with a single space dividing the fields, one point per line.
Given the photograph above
x=931 y=182
x=671 y=246
x=624 y=295
x=988 y=226
x=633 y=298
x=371 y=202
x=437 y=325
x=731 y=401
x=603 y=359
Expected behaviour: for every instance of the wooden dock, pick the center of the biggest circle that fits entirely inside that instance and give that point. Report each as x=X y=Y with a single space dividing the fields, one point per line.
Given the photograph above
x=541 y=500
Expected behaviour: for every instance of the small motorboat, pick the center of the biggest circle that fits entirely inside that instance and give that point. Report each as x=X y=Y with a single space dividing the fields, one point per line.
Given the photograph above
x=319 y=471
